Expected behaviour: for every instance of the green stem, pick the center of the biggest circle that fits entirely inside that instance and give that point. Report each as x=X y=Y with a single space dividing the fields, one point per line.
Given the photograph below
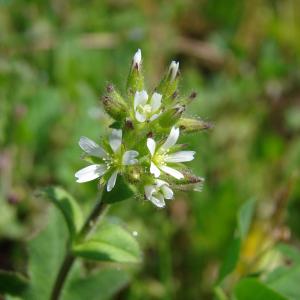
x=69 y=259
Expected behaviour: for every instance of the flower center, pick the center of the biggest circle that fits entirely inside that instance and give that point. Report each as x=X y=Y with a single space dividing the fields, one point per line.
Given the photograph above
x=146 y=109
x=159 y=159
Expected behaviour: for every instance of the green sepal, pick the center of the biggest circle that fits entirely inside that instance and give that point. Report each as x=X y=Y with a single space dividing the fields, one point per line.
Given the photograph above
x=189 y=125
x=116 y=125
x=170 y=116
x=120 y=192
x=168 y=85
x=135 y=81
x=114 y=104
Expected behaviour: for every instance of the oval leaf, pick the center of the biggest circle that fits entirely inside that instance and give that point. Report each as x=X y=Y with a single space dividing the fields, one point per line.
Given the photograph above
x=109 y=243
x=251 y=288
x=97 y=286
x=68 y=206
x=12 y=283
x=245 y=215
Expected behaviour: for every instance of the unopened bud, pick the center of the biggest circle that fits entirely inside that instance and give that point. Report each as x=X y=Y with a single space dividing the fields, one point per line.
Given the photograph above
x=190 y=182
x=168 y=85
x=137 y=59
x=189 y=99
x=135 y=81
x=173 y=70
x=188 y=125
x=114 y=104
x=171 y=116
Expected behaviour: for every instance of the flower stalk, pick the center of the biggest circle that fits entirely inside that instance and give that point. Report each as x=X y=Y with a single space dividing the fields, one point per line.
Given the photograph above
x=90 y=223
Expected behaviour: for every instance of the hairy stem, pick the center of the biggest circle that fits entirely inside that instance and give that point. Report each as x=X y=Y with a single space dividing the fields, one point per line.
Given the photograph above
x=69 y=259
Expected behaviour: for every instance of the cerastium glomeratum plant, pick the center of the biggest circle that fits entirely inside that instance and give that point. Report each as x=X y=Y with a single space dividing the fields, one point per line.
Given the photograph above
x=142 y=146
x=140 y=157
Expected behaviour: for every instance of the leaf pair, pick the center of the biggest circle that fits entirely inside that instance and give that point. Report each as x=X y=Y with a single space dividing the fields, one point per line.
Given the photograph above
x=108 y=243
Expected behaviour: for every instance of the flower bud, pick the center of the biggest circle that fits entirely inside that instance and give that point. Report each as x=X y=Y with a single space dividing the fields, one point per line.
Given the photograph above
x=168 y=85
x=188 y=125
x=114 y=104
x=173 y=70
x=135 y=81
x=169 y=117
x=190 y=182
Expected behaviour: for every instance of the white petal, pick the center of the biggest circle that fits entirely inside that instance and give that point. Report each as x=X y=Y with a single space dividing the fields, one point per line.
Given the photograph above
x=140 y=117
x=151 y=146
x=154 y=170
x=149 y=190
x=129 y=157
x=158 y=200
x=168 y=193
x=180 y=156
x=155 y=101
x=174 y=66
x=112 y=181
x=172 y=172
x=90 y=173
x=160 y=182
x=172 y=139
x=137 y=58
x=153 y=117
x=140 y=98
x=115 y=139
x=91 y=148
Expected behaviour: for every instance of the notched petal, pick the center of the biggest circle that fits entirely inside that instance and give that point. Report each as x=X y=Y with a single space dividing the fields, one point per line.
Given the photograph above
x=151 y=145
x=91 y=148
x=90 y=173
x=172 y=139
x=129 y=157
x=115 y=139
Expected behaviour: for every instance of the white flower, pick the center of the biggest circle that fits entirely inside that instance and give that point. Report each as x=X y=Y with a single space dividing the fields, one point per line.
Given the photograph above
x=146 y=109
x=137 y=58
x=173 y=70
x=160 y=158
x=158 y=192
x=112 y=162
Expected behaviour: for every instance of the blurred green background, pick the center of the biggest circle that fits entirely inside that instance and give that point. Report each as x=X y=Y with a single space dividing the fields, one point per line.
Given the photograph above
x=241 y=56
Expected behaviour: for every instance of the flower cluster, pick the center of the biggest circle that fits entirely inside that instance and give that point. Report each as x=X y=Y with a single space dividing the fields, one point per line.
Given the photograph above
x=142 y=146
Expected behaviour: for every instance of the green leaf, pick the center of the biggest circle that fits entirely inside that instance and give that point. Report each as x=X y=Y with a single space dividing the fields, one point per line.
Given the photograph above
x=46 y=252
x=12 y=283
x=68 y=206
x=109 y=243
x=252 y=289
x=231 y=259
x=286 y=281
x=120 y=192
x=100 y=286
x=289 y=252
x=244 y=218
